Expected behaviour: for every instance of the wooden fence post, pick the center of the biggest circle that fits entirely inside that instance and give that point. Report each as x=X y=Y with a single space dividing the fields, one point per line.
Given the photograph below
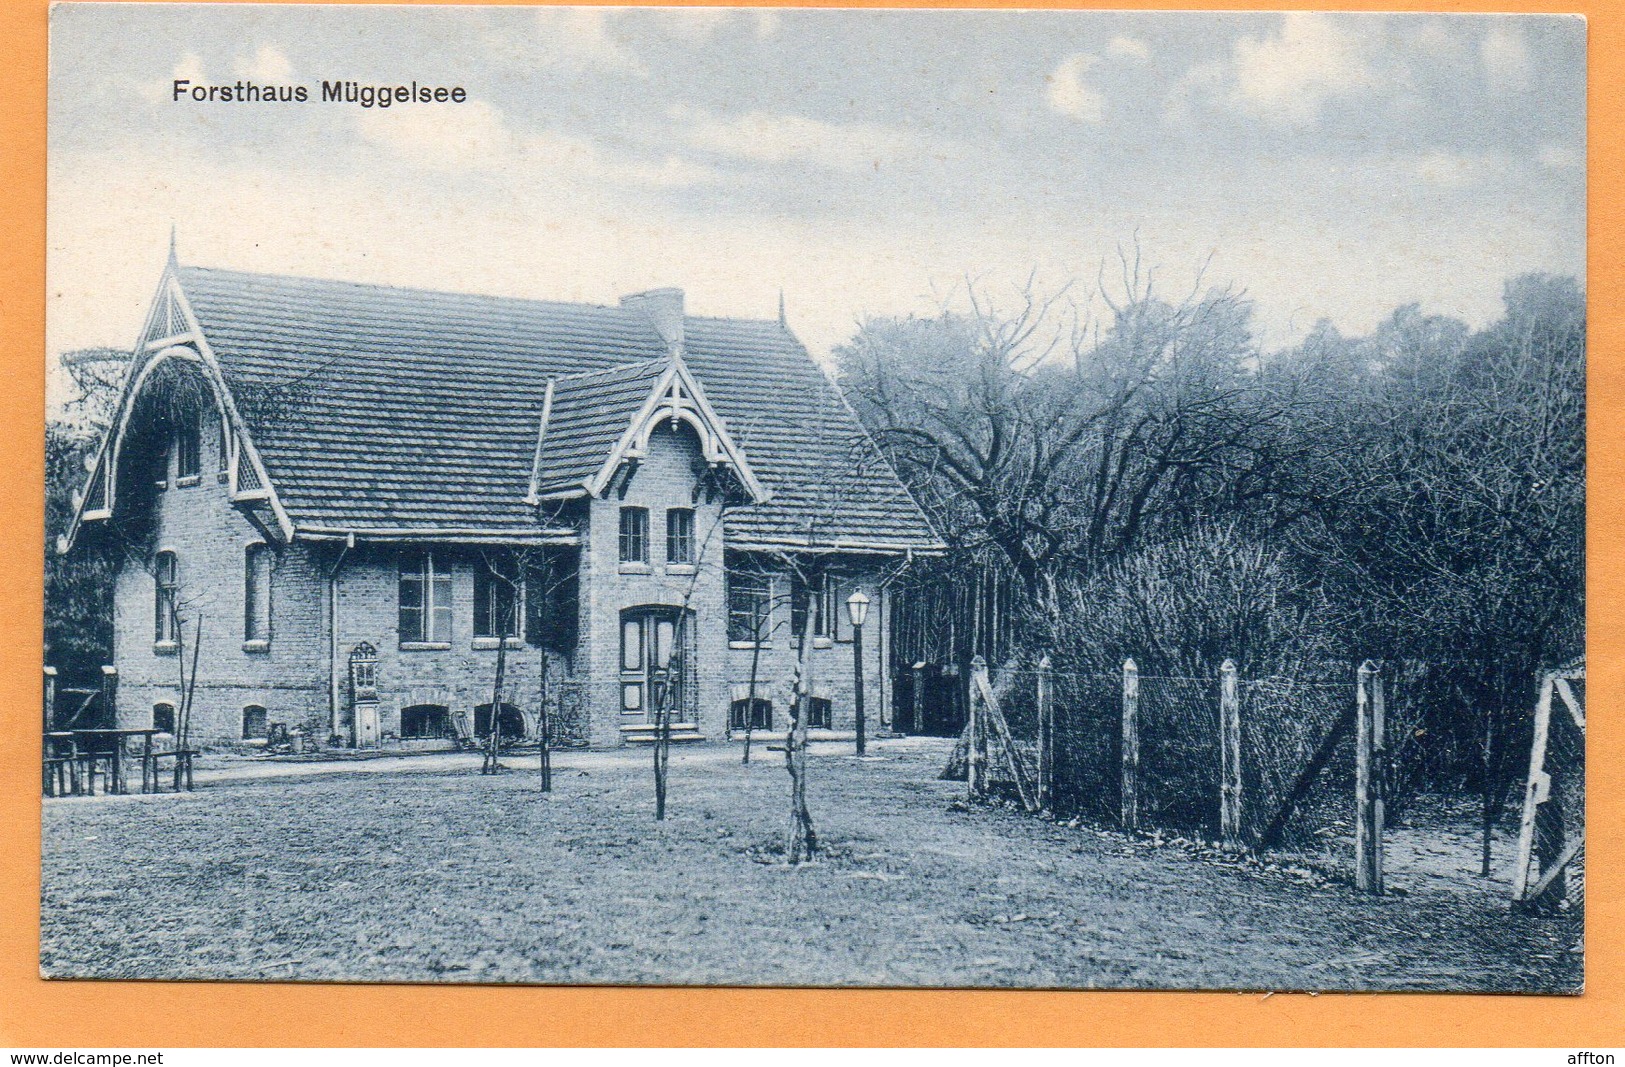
x=110 y=695
x=919 y=698
x=1046 y=736
x=1537 y=788
x=1379 y=774
x=1367 y=780
x=976 y=751
x=1229 y=756
x=1130 y=805
x=50 y=696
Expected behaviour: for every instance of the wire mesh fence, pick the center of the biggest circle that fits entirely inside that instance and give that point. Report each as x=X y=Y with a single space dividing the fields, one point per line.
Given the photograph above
x=1178 y=780
x=1275 y=763
x=1297 y=752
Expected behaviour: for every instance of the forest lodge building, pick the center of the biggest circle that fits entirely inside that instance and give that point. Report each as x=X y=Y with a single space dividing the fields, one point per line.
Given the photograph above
x=343 y=498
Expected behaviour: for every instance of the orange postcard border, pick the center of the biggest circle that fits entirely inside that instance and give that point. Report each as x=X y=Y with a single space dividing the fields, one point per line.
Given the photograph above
x=35 y=1013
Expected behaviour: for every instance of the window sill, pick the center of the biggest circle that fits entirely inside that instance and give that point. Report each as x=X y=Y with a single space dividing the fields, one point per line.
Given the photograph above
x=635 y=568
x=188 y=481
x=165 y=648
x=256 y=646
x=161 y=484
x=679 y=568
x=822 y=642
x=425 y=646
x=748 y=645
x=486 y=644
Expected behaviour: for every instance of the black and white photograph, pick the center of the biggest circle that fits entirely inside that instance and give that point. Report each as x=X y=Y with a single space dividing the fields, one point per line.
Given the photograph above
x=815 y=497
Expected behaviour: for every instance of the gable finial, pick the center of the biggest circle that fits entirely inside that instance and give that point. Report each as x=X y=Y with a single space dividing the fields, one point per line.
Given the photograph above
x=172 y=244
x=781 y=306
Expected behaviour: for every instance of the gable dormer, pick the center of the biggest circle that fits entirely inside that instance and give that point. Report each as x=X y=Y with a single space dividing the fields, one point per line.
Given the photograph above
x=596 y=428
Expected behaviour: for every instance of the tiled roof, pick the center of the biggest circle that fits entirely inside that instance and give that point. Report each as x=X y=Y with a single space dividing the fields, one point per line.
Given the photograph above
x=590 y=412
x=376 y=407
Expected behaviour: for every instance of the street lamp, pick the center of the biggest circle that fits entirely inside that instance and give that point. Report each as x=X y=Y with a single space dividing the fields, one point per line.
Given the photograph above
x=857 y=610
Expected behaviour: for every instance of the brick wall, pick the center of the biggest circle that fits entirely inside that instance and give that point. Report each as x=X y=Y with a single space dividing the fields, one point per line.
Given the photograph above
x=459 y=676
x=832 y=658
x=664 y=479
x=290 y=676
x=209 y=538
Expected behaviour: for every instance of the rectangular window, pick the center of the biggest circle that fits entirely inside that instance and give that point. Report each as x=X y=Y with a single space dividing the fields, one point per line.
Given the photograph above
x=257 y=593
x=552 y=600
x=820 y=601
x=425 y=598
x=634 y=535
x=750 y=600
x=188 y=448
x=166 y=572
x=680 y=535
x=496 y=598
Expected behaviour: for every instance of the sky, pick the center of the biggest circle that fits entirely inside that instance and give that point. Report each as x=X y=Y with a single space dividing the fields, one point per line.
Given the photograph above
x=861 y=162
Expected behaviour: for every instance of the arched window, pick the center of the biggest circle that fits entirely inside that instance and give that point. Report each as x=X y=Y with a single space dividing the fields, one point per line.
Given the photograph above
x=255 y=727
x=257 y=593
x=751 y=714
x=163 y=717
x=166 y=574
x=422 y=721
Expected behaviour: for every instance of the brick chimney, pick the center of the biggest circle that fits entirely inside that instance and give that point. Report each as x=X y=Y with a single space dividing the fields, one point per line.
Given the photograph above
x=664 y=310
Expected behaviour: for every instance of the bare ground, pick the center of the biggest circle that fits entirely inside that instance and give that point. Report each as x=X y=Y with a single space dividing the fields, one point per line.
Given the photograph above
x=418 y=869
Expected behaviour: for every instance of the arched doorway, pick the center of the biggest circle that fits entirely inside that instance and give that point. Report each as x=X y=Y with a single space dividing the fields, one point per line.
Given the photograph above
x=658 y=664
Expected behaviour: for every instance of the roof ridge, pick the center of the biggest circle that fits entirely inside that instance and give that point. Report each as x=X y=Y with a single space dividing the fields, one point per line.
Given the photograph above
x=411 y=289
x=637 y=364
x=310 y=279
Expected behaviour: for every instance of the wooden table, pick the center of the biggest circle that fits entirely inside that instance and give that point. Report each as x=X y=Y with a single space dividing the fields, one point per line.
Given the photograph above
x=71 y=748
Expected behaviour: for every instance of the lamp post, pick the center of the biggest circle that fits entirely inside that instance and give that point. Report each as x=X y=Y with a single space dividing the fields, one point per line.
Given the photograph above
x=857 y=610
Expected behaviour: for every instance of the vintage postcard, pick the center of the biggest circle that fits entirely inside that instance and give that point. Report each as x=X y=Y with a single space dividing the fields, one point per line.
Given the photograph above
x=775 y=497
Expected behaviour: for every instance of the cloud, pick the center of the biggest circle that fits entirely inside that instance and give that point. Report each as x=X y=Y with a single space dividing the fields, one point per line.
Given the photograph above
x=765 y=137
x=1559 y=157
x=472 y=137
x=268 y=66
x=1508 y=65
x=1071 y=95
x=1447 y=170
x=1288 y=76
x=1128 y=48
x=585 y=38
x=478 y=139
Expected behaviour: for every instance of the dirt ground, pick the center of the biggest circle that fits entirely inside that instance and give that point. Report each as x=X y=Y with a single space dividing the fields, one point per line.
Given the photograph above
x=419 y=869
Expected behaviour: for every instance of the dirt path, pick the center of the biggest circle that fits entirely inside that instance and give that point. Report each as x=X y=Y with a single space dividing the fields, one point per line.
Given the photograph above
x=433 y=873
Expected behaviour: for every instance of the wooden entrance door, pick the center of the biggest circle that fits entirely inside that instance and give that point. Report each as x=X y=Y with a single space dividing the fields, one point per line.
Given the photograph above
x=649 y=636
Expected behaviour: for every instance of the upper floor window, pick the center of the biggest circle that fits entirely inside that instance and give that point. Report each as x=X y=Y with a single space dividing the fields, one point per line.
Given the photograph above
x=750 y=598
x=496 y=598
x=188 y=448
x=634 y=535
x=257 y=593
x=680 y=535
x=166 y=575
x=425 y=598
